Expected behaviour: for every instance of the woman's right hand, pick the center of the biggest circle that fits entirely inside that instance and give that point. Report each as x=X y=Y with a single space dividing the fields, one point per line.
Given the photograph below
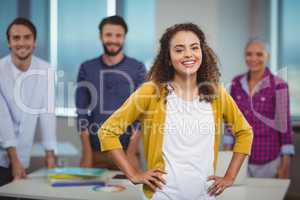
x=152 y=178
x=86 y=160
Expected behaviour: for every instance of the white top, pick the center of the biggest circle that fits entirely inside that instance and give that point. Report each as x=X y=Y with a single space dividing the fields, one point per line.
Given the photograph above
x=188 y=149
x=26 y=97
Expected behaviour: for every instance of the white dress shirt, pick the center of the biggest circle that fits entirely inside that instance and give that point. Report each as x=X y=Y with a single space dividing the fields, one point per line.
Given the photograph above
x=25 y=98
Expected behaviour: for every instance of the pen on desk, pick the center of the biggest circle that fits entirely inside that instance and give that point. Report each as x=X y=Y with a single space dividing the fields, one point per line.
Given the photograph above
x=93 y=183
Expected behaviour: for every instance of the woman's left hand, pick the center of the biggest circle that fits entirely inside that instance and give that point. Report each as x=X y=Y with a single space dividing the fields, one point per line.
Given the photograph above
x=219 y=185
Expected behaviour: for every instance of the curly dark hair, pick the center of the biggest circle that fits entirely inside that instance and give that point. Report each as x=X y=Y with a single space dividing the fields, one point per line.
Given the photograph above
x=208 y=74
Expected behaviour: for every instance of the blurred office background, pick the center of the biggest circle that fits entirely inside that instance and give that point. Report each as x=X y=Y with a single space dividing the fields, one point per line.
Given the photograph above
x=68 y=35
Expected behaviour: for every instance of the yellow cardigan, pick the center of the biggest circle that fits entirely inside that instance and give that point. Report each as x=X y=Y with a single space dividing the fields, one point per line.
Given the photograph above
x=147 y=104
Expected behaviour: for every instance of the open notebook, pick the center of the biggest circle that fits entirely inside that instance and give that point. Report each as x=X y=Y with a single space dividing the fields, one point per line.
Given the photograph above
x=224 y=159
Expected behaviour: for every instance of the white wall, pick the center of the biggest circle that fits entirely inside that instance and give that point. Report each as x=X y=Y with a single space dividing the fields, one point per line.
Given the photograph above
x=233 y=30
x=261 y=19
x=201 y=12
x=227 y=24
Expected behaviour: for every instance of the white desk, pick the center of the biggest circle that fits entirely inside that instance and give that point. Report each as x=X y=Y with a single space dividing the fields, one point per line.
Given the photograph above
x=37 y=187
x=257 y=189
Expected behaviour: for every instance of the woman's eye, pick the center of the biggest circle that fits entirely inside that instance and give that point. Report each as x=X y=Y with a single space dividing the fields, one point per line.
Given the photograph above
x=178 y=50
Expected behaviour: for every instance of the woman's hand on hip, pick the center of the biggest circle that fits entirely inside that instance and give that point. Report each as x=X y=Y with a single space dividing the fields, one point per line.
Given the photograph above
x=152 y=178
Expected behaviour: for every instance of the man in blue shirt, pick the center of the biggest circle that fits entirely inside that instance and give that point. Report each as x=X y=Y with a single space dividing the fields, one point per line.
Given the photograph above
x=26 y=96
x=103 y=84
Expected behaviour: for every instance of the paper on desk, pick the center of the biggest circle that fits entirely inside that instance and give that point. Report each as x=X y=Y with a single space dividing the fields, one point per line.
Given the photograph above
x=76 y=171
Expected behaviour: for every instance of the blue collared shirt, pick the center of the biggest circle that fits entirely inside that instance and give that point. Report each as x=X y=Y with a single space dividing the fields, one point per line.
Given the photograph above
x=25 y=98
x=102 y=89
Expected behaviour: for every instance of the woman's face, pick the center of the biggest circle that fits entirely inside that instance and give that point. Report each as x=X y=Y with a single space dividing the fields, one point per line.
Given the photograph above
x=256 y=56
x=185 y=53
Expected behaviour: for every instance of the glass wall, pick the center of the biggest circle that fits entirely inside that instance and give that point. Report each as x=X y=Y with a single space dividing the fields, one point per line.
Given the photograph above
x=8 y=11
x=77 y=40
x=140 y=40
x=40 y=16
x=289 y=49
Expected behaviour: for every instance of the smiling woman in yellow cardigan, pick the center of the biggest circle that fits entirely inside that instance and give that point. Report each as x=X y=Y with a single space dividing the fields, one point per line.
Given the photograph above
x=186 y=63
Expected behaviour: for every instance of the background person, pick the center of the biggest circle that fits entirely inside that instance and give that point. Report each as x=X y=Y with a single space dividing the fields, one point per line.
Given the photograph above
x=22 y=105
x=104 y=83
x=264 y=100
